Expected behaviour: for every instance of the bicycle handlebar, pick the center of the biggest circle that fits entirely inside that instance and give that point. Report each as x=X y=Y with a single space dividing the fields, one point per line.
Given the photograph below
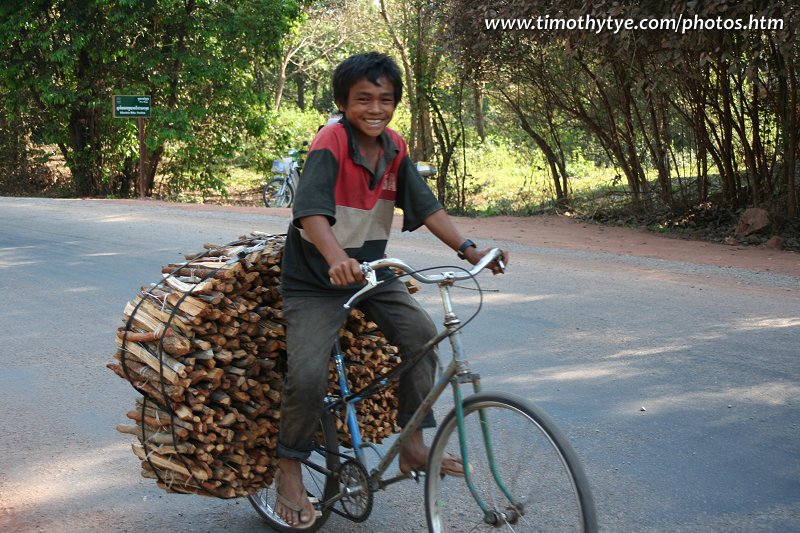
x=368 y=269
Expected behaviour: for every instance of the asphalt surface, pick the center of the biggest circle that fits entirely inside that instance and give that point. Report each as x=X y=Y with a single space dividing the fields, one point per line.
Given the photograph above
x=676 y=383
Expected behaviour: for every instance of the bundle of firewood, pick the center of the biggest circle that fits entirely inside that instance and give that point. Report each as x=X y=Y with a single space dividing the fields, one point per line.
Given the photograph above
x=206 y=349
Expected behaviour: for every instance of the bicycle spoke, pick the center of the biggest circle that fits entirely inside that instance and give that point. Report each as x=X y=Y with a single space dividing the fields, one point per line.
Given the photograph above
x=317 y=484
x=528 y=462
x=278 y=193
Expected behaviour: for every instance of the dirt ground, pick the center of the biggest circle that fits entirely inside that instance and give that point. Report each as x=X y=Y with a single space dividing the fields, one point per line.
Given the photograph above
x=566 y=232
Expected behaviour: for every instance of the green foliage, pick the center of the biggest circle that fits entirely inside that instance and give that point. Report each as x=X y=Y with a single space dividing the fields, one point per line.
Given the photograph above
x=60 y=63
x=291 y=127
x=179 y=182
x=729 y=97
x=401 y=122
x=507 y=177
x=564 y=116
x=285 y=130
x=321 y=36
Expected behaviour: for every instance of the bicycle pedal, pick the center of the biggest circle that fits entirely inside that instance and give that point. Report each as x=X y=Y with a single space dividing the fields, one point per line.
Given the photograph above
x=414 y=474
x=316 y=505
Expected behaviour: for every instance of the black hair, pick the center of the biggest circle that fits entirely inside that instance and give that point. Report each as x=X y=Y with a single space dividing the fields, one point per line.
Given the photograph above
x=369 y=65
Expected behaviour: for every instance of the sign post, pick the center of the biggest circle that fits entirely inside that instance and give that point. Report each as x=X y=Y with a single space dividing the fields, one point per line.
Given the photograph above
x=142 y=155
x=138 y=107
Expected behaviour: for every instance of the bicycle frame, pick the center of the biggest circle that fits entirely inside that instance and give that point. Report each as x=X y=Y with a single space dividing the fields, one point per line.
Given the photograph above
x=288 y=179
x=456 y=374
x=285 y=173
x=542 y=491
x=288 y=172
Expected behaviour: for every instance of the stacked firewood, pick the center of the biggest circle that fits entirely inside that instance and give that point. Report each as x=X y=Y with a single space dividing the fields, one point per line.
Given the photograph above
x=206 y=349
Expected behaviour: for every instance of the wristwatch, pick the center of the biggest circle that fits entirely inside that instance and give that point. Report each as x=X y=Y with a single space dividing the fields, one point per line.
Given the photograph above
x=463 y=248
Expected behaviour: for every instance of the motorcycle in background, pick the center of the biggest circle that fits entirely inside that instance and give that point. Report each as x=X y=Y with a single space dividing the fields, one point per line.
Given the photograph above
x=279 y=191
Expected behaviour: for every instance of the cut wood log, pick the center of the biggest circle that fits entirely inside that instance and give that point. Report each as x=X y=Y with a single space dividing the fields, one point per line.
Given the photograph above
x=171 y=368
x=168 y=464
x=212 y=407
x=172 y=342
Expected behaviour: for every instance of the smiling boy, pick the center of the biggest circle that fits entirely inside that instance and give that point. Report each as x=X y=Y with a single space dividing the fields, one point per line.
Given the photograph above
x=356 y=173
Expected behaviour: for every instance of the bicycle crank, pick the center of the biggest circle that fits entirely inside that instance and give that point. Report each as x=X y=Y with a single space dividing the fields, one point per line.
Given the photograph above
x=356 y=496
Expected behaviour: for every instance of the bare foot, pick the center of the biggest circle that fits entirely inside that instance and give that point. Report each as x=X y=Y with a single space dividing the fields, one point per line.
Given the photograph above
x=414 y=456
x=292 y=505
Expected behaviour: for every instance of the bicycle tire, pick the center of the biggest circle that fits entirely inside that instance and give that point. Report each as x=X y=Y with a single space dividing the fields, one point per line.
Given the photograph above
x=534 y=460
x=317 y=485
x=278 y=193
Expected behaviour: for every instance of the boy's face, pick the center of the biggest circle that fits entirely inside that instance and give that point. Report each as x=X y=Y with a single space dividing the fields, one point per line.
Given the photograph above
x=369 y=107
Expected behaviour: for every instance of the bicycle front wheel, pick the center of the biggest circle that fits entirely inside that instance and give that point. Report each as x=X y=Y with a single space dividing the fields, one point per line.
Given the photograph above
x=521 y=468
x=318 y=485
x=278 y=193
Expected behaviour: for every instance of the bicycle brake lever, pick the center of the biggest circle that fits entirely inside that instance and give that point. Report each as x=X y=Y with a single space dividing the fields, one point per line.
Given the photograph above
x=372 y=281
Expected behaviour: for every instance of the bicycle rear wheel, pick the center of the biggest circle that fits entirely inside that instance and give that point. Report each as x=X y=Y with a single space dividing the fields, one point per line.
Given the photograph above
x=325 y=454
x=545 y=488
x=278 y=193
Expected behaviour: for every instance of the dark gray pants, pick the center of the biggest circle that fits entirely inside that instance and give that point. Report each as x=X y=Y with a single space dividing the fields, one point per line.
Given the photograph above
x=312 y=324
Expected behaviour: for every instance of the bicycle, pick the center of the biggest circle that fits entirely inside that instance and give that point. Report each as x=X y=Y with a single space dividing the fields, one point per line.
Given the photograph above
x=279 y=191
x=520 y=472
x=426 y=169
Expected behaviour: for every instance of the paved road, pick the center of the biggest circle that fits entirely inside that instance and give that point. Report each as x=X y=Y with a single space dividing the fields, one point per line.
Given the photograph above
x=677 y=384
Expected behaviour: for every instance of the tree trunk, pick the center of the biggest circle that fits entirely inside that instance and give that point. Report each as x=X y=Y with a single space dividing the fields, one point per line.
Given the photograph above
x=657 y=139
x=556 y=168
x=83 y=147
x=84 y=157
x=152 y=161
x=791 y=125
x=637 y=181
x=480 y=120
x=300 y=81
x=420 y=139
x=447 y=145
x=726 y=148
x=753 y=175
x=127 y=177
x=279 y=85
x=700 y=137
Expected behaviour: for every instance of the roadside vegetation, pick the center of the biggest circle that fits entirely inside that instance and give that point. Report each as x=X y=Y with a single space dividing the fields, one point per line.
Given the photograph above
x=678 y=132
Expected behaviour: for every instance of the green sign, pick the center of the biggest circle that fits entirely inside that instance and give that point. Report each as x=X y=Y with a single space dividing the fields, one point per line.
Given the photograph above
x=125 y=106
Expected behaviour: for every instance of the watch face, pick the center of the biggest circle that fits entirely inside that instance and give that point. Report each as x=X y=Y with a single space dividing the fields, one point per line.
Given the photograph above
x=466 y=244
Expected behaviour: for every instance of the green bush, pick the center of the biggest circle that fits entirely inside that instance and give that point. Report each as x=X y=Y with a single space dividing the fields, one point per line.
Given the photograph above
x=283 y=131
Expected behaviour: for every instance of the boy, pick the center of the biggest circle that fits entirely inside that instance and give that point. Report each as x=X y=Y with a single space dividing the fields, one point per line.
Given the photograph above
x=356 y=172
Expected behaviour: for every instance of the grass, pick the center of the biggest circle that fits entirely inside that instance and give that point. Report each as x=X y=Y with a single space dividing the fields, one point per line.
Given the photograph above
x=243 y=179
x=504 y=180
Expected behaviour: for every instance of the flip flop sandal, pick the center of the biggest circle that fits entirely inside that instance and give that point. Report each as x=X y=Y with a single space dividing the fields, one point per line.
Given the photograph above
x=445 y=470
x=298 y=507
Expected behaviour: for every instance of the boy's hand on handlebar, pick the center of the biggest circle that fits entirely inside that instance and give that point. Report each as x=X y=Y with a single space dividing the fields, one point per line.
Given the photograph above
x=346 y=272
x=474 y=255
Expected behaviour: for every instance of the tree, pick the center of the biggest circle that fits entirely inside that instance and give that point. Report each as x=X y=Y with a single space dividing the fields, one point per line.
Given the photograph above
x=65 y=59
x=435 y=89
x=733 y=90
x=320 y=37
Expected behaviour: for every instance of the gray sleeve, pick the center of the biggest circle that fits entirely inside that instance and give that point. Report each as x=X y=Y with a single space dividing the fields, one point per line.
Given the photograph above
x=414 y=196
x=315 y=190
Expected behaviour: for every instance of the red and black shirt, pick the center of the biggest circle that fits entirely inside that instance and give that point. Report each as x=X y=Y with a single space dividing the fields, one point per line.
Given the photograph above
x=359 y=204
